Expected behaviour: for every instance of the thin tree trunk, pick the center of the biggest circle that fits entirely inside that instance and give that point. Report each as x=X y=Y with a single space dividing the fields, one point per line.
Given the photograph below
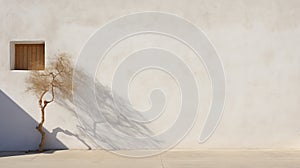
x=42 y=132
x=40 y=126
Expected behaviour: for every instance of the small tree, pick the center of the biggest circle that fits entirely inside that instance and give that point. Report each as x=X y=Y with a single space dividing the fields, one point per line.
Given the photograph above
x=55 y=80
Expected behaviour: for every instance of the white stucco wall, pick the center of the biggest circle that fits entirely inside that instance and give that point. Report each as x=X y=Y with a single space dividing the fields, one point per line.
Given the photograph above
x=257 y=40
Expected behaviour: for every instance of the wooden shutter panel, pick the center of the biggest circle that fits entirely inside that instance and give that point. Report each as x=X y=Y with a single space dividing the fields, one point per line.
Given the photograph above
x=29 y=56
x=20 y=57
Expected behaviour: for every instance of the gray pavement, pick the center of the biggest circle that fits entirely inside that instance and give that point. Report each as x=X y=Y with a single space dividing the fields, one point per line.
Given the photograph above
x=170 y=159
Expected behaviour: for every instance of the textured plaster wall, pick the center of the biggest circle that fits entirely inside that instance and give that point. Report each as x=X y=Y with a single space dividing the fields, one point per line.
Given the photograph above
x=257 y=40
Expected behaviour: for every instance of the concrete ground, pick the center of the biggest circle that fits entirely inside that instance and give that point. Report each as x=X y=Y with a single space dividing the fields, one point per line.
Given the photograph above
x=171 y=159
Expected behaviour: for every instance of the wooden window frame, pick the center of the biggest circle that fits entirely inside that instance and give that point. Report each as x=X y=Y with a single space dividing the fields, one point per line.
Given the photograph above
x=13 y=54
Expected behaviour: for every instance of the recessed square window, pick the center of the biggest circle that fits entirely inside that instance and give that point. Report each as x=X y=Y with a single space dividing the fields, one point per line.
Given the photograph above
x=27 y=55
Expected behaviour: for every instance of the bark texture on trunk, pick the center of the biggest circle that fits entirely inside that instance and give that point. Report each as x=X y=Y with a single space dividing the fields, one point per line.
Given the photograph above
x=40 y=126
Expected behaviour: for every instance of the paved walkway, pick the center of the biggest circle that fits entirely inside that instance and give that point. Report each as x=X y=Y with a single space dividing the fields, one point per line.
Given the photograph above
x=171 y=159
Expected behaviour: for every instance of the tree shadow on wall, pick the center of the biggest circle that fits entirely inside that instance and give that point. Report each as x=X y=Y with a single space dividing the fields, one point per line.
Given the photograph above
x=69 y=133
x=106 y=118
